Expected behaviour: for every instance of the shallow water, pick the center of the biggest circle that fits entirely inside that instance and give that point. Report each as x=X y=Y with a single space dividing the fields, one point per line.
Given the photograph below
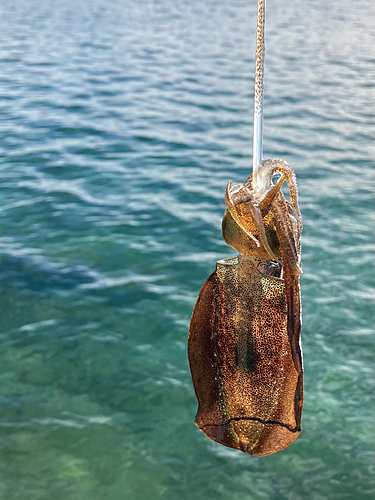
x=120 y=126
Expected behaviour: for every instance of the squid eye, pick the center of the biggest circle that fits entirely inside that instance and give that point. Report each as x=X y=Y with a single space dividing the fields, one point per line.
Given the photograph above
x=273 y=242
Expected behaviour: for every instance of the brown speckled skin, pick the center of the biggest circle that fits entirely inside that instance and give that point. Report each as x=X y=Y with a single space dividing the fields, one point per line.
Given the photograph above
x=244 y=335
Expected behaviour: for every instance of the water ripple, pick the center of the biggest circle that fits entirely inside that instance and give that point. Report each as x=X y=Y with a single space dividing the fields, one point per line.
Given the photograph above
x=121 y=125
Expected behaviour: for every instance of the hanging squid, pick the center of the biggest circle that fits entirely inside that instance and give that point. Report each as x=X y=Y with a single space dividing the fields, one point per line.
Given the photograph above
x=244 y=335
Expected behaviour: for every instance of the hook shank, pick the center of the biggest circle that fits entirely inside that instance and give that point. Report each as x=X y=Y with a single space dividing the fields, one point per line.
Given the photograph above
x=258 y=92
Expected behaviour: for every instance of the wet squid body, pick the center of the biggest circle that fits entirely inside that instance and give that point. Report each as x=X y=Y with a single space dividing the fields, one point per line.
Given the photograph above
x=244 y=335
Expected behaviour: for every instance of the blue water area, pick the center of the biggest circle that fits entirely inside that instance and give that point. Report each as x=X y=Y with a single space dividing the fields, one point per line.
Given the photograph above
x=121 y=124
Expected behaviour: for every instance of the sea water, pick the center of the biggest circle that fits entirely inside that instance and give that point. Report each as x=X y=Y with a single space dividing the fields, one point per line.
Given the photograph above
x=121 y=124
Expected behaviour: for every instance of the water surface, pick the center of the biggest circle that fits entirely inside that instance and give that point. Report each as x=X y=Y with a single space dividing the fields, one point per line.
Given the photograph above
x=121 y=124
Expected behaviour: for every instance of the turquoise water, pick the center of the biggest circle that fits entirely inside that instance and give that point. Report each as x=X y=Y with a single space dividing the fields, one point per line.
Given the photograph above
x=121 y=124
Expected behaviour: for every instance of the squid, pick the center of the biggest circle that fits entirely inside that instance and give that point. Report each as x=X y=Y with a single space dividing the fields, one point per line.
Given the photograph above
x=244 y=336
